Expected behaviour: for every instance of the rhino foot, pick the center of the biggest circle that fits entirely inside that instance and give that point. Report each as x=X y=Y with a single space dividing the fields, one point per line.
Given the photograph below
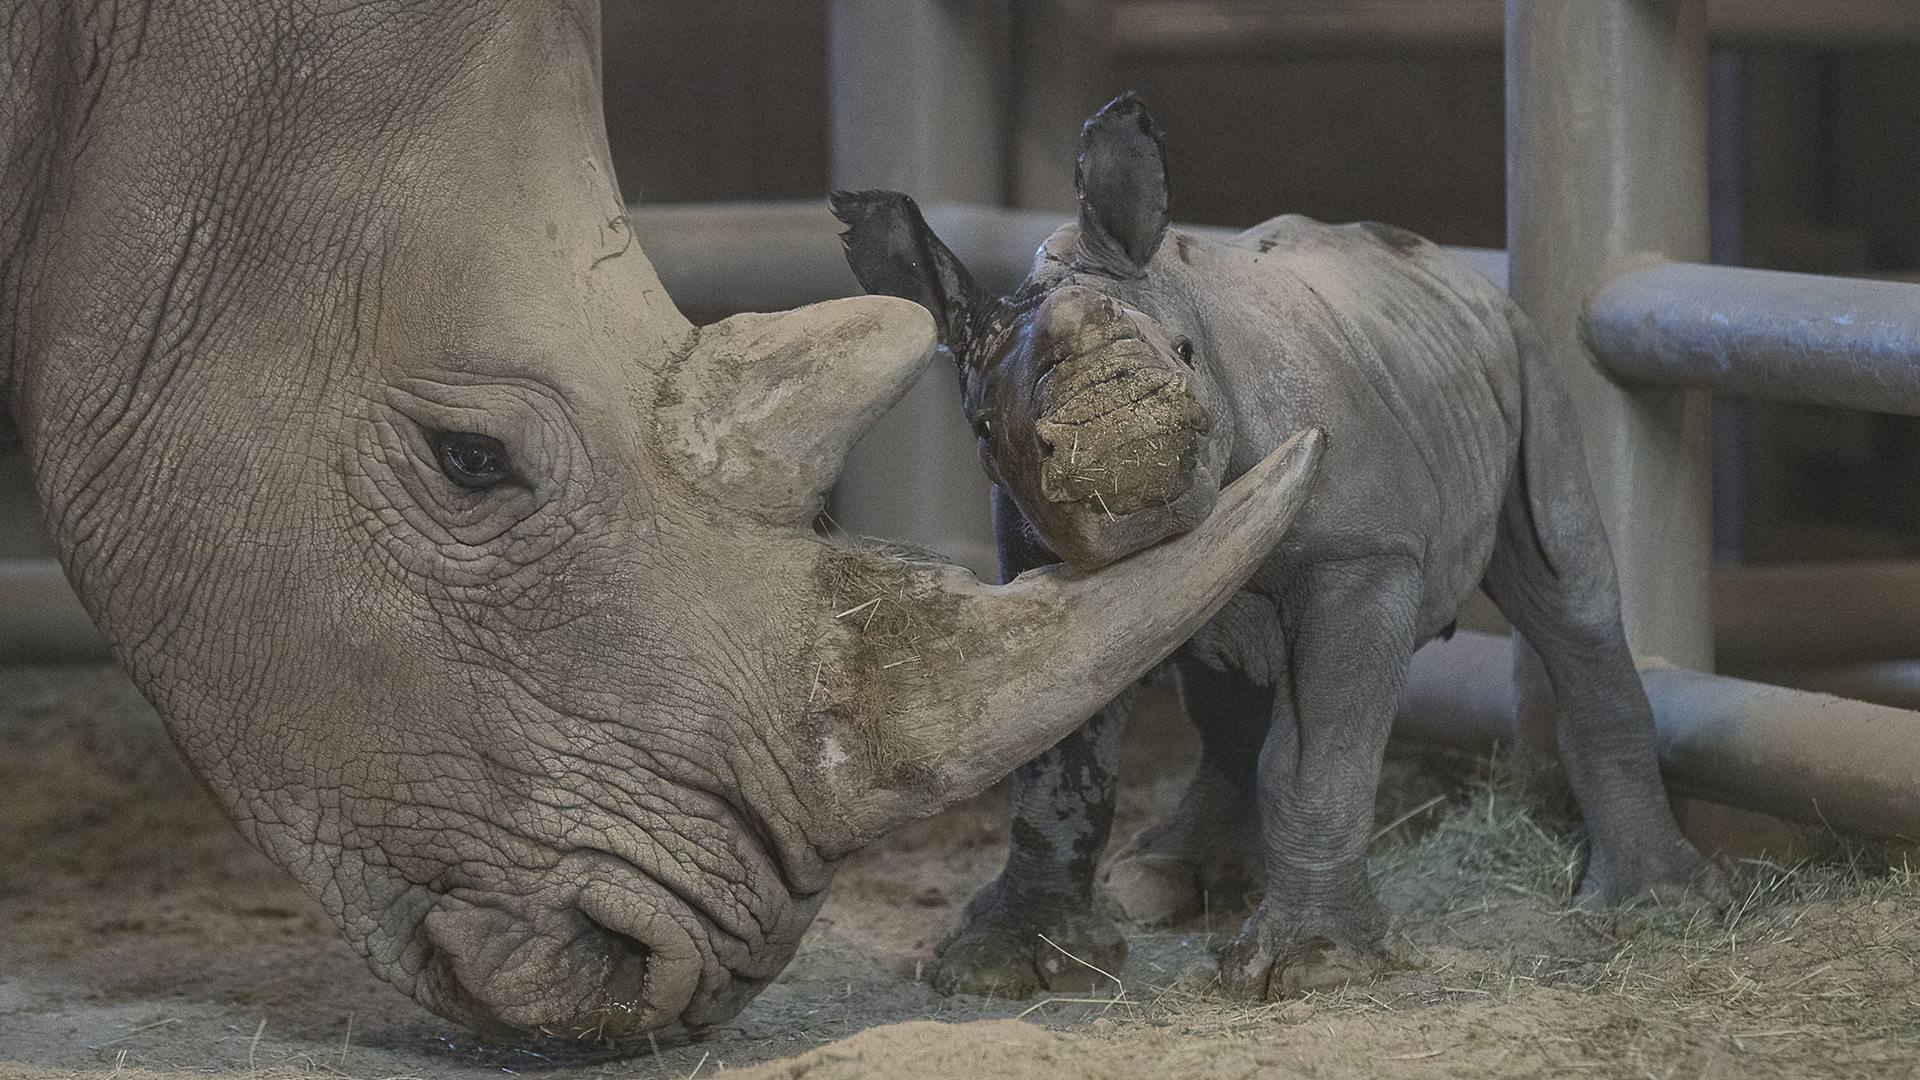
x=1012 y=946
x=1673 y=875
x=1270 y=959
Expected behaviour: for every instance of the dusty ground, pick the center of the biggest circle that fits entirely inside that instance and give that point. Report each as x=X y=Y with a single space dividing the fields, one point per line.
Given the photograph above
x=140 y=937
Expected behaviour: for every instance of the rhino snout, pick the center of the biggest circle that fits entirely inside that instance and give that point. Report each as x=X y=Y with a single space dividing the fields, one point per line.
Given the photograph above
x=615 y=961
x=1118 y=433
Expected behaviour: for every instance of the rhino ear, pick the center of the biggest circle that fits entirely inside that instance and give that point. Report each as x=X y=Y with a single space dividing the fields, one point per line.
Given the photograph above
x=1122 y=181
x=764 y=408
x=893 y=252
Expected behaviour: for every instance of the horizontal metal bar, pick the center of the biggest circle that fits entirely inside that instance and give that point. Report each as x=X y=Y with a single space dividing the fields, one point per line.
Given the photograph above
x=770 y=256
x=1789 y=623
x=1152 y=27
x=719 y=258
x=1802 y=756
x=1147 y=28
x=41 y=621
x=1460 y=693
x=1883 y=682
x=1794 y=754
x=1848 y=342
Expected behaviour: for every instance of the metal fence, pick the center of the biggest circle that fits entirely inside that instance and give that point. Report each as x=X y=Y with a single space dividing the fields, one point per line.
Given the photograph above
x=1607 y=221
x=1607 y=228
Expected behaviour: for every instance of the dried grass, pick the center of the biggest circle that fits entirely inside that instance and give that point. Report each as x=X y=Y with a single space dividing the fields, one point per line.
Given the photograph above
x=1810 y=971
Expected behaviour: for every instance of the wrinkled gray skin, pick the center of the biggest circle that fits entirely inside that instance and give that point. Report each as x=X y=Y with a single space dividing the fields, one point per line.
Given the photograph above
x=478 y=585
x=1453 y=461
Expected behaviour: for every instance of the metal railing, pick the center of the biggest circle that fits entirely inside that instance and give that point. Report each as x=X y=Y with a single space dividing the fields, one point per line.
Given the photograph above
x=1607 y=215
x=1269 y=28
x=1804 y=338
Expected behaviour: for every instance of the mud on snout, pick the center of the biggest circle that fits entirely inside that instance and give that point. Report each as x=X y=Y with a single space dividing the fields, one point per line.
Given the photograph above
x=1125 y=443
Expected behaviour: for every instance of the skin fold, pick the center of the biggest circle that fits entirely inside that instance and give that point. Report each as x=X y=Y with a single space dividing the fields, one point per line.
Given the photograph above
x=478 y=585
x=1453 y=462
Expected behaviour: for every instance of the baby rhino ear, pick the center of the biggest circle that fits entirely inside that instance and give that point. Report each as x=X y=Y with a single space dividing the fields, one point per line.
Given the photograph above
x=894 y=253
x=1122 y=181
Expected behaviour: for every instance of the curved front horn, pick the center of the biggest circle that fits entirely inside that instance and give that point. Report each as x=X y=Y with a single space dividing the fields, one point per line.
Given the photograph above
x=930 y=685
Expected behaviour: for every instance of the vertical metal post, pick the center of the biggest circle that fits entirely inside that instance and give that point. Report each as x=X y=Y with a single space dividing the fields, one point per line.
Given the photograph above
x=1062 y=74
x=916 y=93
x=1606 y=158
x=1726 y=214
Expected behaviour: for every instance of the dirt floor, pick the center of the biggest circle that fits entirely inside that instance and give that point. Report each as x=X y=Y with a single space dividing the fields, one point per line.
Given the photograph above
x=140 y=937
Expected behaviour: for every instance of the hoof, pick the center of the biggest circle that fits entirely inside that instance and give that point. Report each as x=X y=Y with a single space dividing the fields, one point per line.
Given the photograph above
x=1251 y=969
x=1161 y=877
x=1009 y=946
x=985 y=965
x=1683 y=880
x=1009 y=964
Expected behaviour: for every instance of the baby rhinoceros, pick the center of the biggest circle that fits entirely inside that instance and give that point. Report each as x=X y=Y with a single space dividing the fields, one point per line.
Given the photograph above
x=1138 y=369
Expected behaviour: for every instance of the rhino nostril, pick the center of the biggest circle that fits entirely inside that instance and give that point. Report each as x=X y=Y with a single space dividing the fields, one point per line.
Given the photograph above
x=626 y=966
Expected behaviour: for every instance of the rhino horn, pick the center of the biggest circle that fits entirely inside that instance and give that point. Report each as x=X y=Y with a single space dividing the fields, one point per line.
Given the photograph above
x=764 y=408
x=931 y=686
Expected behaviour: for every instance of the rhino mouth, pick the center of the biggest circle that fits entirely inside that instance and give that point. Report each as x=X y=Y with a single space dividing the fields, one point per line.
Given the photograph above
x=1119 y=430
x=614 y=960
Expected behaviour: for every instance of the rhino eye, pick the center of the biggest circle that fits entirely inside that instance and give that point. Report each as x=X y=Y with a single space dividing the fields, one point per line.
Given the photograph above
x=1185 y=350
x=983 y=428
x=469 y=460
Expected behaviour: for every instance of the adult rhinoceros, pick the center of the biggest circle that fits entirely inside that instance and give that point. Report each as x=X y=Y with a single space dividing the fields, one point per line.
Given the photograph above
x=477 y=583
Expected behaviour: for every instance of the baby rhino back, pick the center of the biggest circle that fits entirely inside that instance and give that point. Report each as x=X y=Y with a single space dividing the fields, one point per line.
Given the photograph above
x=1421 y=394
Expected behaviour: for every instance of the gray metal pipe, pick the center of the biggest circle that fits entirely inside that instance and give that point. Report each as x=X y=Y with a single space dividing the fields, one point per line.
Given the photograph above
x=1158 y=28
x=770 y=256
x=1460 y=693
x=1606 y=157
x=1802 y=756
x=41 y=621
x=1790 y=753
x=721 y=258
x=718 y=259
x=1762 y=333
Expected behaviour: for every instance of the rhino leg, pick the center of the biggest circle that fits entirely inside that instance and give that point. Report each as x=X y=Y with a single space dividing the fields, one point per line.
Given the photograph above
x=1062 y=813
x=1039 y=925
x=1206 y=854
x=1552 y=577
x=1351 y=630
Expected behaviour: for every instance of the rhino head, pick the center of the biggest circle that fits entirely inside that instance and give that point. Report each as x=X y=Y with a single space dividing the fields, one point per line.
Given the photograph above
x=479 y=586
x=1088 y=411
